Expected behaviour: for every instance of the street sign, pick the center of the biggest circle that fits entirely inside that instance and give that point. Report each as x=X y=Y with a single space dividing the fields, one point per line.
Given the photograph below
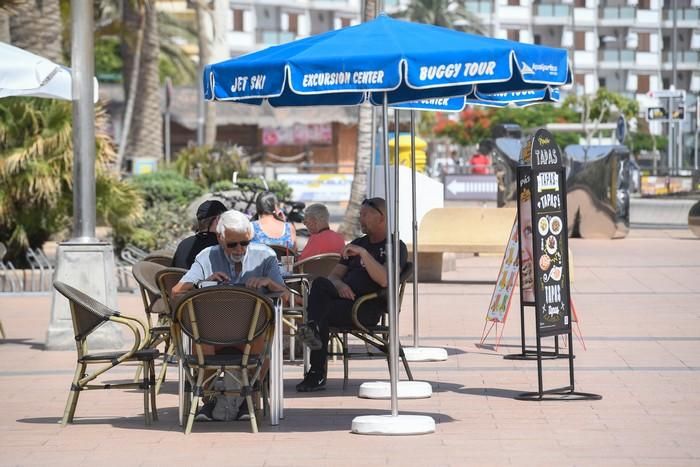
x=471 y=187
x=657 y=113
x=678 y=113
x=668 y=93
x=621 y=129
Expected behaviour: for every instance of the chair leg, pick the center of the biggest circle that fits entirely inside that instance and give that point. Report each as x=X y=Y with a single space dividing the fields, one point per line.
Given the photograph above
x=405 y=363
x=196 y=396
x=153 y=390
x=72 y=402
x=137 y=376
x=146 y=384
x=169 y=352
x=346 y=358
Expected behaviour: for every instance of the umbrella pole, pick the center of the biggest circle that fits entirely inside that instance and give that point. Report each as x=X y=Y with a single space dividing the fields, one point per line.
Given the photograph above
x=389 y=261
x=373 y=150
x=393 y=424
x=417 y=353
x=414 y=224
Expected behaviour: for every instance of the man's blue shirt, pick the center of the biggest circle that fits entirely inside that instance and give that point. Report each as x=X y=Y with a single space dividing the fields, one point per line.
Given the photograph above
x=259 y=261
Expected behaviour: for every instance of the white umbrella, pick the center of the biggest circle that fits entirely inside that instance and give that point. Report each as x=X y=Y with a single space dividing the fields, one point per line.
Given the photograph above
x=23 y=73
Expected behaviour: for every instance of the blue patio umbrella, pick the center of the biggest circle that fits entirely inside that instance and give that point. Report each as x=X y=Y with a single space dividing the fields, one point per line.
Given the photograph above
x=388 y=61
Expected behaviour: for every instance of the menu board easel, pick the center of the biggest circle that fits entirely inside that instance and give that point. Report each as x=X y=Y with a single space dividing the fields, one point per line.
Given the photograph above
x=543 y=256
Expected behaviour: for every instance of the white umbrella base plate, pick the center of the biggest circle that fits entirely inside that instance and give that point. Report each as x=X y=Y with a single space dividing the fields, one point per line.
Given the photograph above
x=425 y=354
x=404 y=390
x=393 y=425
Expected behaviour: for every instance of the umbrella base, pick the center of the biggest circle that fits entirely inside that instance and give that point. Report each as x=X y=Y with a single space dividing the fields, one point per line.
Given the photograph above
x=393 y=425
x=404 y=390
x=425 y=354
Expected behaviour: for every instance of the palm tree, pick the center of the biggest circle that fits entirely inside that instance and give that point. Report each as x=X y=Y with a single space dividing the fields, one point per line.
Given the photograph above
x=451 y=14
x=6 y=8
x=36 y=173
x=365 y=131
x=142 y=131
x=35 y=25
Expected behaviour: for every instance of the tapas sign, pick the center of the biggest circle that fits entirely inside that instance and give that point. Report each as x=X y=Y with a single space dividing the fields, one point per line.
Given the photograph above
x=549 y=237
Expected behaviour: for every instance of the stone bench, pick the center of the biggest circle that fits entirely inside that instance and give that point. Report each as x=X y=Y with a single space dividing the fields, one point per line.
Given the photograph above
x=470 y=230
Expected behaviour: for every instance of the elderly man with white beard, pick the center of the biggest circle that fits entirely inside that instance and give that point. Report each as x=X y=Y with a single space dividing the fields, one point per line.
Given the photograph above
x=235 y=260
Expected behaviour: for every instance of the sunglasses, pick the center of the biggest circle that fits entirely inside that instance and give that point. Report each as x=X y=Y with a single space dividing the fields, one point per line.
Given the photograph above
x=235 y=244
x=371 y=203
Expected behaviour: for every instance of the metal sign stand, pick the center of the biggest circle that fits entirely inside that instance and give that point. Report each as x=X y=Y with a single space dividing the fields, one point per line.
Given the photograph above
x=547 y=204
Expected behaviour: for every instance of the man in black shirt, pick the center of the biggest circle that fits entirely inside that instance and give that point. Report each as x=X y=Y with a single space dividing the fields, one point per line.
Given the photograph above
x=207 y=215
x=360 y=271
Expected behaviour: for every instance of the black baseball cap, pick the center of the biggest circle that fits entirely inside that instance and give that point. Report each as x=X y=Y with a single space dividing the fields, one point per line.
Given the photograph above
x=210 y=208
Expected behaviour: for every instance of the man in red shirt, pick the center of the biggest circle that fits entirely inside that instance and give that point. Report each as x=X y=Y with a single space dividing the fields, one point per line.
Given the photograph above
x=481 y=163
x=323 y=239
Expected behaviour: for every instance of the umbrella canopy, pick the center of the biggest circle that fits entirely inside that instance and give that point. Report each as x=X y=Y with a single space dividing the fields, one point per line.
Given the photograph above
x=23 y=73
x=407 y=61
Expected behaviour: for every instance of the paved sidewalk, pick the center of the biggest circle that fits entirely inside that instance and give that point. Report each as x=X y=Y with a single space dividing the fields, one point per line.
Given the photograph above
x=638 y=300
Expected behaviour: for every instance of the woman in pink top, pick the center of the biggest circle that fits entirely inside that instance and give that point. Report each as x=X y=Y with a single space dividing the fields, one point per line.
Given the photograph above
x=323 y=239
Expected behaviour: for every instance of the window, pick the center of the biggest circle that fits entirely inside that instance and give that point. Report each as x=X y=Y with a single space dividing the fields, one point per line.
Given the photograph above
x=644 y=4
x=537 y=39
x=237 y=20
x=344 y=22
x=601 y=82
x=513 y=34
x=667 y=43
x=580 y=78
x=514 y=2
x=643 y=42
x=580 y=4
x=579 y=40
x=293 y=22
x=642 y=84
x=666 y=82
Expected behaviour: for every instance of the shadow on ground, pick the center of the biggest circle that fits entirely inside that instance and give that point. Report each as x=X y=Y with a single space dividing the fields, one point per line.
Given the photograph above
x=297 y=420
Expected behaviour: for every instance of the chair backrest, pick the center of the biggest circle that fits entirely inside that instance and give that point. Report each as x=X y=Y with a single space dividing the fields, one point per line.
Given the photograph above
x=87 y=313
x=166 y=280
x=224 y=315
x=281 y=250
x=318 y=265
x=405 y=275
x=145 y=274
x=158 y=258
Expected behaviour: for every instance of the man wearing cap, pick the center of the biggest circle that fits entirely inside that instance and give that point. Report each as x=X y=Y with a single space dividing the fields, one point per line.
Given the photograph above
x=360 y=271
x=207 y=217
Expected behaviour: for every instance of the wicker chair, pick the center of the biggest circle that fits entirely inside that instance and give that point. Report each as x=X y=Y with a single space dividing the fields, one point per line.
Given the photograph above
x=281 y=250
x=88 y=314
x=225 y=316
x=155 y=307
x=162 y=257
x=376 y=336
x=299 y=284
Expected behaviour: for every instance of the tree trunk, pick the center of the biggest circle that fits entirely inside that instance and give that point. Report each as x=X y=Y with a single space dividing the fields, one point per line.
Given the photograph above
x=36 y=26
x=145 y=130
x=4 y=27
x=210 y=34
x=350 y=227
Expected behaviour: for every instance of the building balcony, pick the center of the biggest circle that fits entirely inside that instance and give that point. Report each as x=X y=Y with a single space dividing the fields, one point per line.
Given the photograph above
x=685 y=60
x=617 y=15
x=549 y=13
x=616 y=58
x=480 y=7
x=273 y=37
x=682 y=15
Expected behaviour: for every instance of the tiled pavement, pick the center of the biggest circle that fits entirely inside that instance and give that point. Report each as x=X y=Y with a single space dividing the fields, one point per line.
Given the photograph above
x=639 y=304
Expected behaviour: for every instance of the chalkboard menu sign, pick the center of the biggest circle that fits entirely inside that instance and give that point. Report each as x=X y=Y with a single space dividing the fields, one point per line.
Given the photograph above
x=549 y=236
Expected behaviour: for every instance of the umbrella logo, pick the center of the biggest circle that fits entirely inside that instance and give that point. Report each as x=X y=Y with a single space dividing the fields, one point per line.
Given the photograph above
x=526 y=70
